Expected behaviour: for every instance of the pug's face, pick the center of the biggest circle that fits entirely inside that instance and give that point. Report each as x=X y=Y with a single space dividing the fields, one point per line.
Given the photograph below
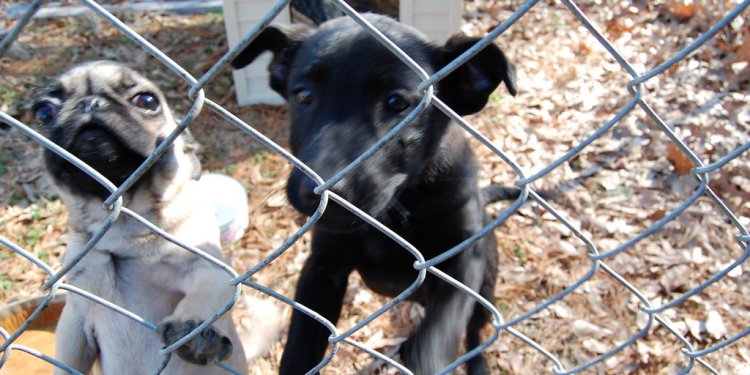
x=108 y=116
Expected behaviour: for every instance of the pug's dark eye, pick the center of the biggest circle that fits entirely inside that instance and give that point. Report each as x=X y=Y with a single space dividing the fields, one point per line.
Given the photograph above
x=145 y=100
x=396 y=102
x=45 y=112
x=303 y=96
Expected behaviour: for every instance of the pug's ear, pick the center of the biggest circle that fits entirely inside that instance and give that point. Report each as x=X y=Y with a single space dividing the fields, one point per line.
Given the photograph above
x=281 y=40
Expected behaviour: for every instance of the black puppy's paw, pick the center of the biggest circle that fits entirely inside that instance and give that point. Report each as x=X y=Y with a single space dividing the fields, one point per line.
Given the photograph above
x=409 y=355
x=477 y=366
x=414 y=357
x=207 y=348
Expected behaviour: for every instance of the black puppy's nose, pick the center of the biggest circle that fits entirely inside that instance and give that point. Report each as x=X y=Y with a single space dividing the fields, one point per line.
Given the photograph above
x=301 y=193
x=91 y=104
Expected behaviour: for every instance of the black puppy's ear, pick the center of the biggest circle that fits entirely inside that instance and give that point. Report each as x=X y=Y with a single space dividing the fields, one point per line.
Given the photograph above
x=282 y=41
x=468 y=88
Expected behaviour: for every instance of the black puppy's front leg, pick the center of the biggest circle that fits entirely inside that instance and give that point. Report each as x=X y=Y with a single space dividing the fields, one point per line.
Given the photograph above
x=321 y=287
x=434 y=344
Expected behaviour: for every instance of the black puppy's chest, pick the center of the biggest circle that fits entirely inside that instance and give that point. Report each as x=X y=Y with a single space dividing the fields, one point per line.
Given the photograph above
x=388 y=268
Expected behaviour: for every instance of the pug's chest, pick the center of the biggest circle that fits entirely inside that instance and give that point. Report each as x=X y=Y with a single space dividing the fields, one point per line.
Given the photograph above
x=129 y=279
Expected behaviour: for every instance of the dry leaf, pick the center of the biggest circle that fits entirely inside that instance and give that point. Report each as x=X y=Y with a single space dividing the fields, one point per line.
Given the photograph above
x=743 y=52
x=736 y=271
x=744 y=353
x=681 y=162
x=674 y=279
x=378 y=341
x=561 y=311
x=657 y=214
x=742 y=182
x=643 y=350
x=715 y=325
x=569 y=248
x=619 y=25
x=641 y=319
x=695 y=327
x=680 y=327
x=362 y=297
x=681 y=12
x=595 y=346
x=584 y=328
x=277 y=200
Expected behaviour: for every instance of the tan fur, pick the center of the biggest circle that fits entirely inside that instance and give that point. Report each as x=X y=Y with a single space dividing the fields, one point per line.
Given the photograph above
x=130 y=266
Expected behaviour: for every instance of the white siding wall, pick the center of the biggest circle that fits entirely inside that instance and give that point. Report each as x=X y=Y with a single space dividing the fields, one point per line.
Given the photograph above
x=251 y=83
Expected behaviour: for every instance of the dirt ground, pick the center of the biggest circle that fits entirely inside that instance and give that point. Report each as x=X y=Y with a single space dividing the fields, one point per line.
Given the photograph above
x=569 y=87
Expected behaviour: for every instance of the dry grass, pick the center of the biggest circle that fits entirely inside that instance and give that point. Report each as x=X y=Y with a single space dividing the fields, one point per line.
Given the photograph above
x=569 y=86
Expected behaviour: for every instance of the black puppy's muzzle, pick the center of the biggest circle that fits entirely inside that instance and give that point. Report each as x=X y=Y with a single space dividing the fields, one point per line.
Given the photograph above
x=300 y=190
x=301 y=194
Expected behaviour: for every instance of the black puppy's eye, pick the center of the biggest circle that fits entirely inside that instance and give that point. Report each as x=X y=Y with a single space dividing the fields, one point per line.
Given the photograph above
x=145 y=100
x=396 y=102
x=303 y=96
x=45 y=112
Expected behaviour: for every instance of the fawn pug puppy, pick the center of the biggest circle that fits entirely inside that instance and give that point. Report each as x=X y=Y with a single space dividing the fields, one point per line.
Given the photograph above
x=112 y=118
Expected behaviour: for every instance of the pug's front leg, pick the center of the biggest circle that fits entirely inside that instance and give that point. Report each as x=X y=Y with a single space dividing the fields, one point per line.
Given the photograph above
x=207 y=291
x=75 y=345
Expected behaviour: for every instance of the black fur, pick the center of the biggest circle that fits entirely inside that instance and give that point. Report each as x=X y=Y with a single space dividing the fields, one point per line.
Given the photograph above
x=102 y=151
x=345 y=91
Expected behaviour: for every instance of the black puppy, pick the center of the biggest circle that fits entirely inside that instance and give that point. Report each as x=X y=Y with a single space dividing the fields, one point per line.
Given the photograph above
x=345 y=91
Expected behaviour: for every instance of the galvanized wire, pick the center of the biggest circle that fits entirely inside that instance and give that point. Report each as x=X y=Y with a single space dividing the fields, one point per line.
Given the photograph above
x=114 y=208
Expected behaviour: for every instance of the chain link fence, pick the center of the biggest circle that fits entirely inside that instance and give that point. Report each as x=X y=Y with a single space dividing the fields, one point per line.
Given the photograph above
x=598 y=260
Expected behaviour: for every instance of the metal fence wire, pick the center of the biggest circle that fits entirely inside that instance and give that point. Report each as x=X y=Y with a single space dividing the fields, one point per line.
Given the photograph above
x=655 y=313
